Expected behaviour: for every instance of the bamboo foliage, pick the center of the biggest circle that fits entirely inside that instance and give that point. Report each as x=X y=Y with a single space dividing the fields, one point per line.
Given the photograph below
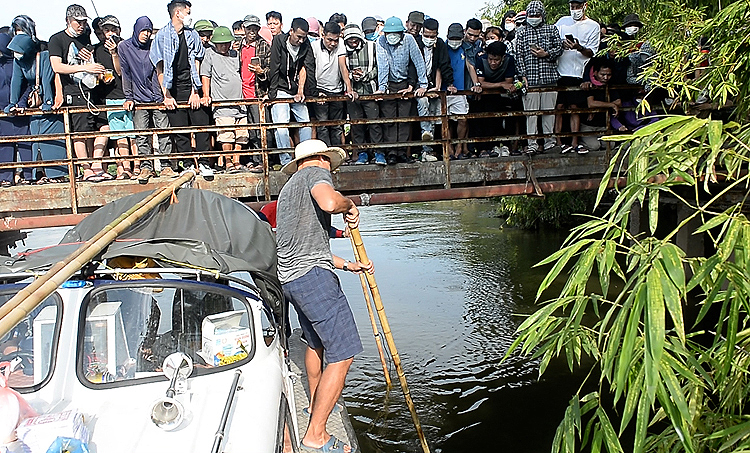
x=670 y=381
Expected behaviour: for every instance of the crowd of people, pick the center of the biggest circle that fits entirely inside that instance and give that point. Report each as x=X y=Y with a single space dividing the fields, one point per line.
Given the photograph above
x=482 y=67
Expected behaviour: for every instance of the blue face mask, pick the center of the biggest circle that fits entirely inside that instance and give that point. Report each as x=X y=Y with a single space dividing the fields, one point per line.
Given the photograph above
x=371 y=36
x=312 y=38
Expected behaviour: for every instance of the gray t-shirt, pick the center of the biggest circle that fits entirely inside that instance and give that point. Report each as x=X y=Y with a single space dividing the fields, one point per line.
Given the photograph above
x=302 y=227
x=226 y=83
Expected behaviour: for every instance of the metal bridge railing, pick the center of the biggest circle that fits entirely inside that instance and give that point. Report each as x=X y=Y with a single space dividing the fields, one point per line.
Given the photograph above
x=265 y=126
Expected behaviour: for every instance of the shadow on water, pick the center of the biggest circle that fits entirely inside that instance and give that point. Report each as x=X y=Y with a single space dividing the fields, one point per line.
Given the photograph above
x=452 y=282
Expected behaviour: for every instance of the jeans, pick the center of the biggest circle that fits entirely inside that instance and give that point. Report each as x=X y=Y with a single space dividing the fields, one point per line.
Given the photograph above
x=49 y=149
x=428 y=107
x=145 y=119
x=281 y=113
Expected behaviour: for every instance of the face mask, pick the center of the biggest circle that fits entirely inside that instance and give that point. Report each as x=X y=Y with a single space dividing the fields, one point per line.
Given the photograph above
x=312 y=38
x=576 y=14
x=187 y=20
x=454 y=43
x=631 y=30
x=371 y=36
x=18 y=55
x=429 y=42
x=393 y=38
x=490 y=41
x=73 y=33
x=510 y=26
x=534 y=21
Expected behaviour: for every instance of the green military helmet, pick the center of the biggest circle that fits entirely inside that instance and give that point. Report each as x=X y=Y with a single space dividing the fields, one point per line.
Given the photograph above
x=203 y=25
x=222 y=35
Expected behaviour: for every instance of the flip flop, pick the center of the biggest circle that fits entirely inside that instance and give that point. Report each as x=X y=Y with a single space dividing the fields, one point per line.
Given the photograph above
x=336 y=409
x=96 y=177
x=333 y=445
x=567 y=149
x=105 y=176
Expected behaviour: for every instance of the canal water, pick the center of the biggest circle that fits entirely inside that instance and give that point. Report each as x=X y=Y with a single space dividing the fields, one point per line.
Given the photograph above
x=455 y=285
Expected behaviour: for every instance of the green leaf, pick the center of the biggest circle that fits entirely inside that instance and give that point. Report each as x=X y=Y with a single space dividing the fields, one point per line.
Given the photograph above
x=672 y=299
x=654 y=321
x=672 y=259
x=659 y=125
x=641 y=424
x=610 y=436
x=653 y=209
x=703 y=272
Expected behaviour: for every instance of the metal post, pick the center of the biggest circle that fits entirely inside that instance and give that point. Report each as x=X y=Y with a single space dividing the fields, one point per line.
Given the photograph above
x=264 y=147
x=445 y=137
x=71 y=167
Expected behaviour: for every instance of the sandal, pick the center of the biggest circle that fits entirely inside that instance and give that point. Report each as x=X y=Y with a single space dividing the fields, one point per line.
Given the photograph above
x=580 y=149
x=43 y=180
x=104 y=176
x=333 y=445
x=567 y=149
x=124 y=175
x=5 y=184
x=96 y=177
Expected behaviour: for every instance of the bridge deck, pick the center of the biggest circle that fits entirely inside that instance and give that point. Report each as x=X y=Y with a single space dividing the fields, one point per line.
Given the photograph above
x=50 y=204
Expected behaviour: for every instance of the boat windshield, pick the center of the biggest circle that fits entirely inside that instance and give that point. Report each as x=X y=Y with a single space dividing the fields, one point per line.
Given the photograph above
x=129 y=331
x=27 y=351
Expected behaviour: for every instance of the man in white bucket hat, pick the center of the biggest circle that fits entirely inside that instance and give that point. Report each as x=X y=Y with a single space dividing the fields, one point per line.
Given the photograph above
x=306 y=265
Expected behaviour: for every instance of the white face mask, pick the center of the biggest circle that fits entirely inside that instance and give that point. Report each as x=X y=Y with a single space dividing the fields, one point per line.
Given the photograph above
x=73 y=33
x=534 y=21
x=393 y=38
x=576 y=14
x=187 y=20
x=429 y=42
x=17 y=55
x=489 y=41
x=631 y=30
x=454 y=43
x=510 y=26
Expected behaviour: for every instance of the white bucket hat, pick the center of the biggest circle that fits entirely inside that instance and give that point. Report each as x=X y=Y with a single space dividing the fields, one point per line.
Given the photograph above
x=315 y=148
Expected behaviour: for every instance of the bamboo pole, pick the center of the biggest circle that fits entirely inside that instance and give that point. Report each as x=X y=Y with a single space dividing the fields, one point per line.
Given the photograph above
x=356 y=238
x=375 y=332
x=27 y=299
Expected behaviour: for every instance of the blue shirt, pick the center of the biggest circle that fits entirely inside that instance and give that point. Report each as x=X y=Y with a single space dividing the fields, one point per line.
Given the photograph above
x=458 y=63
x=393 y=61
x=165 y=45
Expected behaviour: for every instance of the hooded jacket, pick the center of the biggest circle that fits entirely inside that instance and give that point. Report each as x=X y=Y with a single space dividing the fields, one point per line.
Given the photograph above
x=24 y=73
x=538 y=71
x=139 y=80
x=285 y=71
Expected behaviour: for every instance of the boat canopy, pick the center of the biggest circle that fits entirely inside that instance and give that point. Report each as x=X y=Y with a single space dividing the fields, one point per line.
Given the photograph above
x=196 y=228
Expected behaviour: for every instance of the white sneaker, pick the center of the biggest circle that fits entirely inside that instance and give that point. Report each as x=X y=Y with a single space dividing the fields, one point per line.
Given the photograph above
x=427 y=136
x=427 y=157
x=206 y=172
x=504 y=151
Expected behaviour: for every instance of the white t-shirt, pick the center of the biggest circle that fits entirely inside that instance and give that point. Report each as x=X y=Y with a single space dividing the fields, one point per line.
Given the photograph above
x=327 y=73
x=572 y=62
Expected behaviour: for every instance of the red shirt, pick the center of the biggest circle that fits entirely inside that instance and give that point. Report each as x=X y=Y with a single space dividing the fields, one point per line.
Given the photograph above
x=248 y=77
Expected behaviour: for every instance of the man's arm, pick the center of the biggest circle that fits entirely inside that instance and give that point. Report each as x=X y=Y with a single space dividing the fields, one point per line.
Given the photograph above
x=61 y=68
x=473 y=75
x=309 y=80
x=418 y=59
x=346 y=78
x=332 y=202
x=444 y=64
x=275 y=67
x=383 y=67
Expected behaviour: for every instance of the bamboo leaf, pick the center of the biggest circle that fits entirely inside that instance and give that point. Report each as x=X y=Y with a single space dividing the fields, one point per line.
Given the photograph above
x=654 y=321
x=641 y=424
x=672 y=299
x=653 y=209
x=610 y=436
x=672 y=260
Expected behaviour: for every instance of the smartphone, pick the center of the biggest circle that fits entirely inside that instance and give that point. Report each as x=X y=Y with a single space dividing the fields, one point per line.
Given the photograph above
x=255 y=61
x=570 y=38
x=89 y=47
x=533 y=46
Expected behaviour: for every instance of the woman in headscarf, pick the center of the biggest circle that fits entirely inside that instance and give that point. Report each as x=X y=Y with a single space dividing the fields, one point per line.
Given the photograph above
x=16 y=125
x=28 y=60
x=26 y=25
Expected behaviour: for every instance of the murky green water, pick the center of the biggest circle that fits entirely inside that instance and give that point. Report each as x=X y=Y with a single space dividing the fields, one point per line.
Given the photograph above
x=452 y=282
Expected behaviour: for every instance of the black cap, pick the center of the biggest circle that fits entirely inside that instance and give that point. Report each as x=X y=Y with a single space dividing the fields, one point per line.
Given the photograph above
x=455 y=31
x=632 y=19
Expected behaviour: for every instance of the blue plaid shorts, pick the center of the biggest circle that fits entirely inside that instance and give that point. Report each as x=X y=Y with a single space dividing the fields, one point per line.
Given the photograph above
x=324 y=314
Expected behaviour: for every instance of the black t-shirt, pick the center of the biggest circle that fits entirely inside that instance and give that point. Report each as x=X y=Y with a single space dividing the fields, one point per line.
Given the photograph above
x=66 y=47
x=181 y=66
x=598 y=119
x=506 y=70
x=108 y=90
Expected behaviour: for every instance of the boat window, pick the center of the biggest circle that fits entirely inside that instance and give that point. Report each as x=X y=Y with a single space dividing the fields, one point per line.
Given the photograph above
x=129 y=331
x=27 y=351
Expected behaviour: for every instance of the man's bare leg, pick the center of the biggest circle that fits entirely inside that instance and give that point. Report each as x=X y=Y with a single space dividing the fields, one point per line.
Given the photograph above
x=328 y=391
x=100 y=146
x=462 y=130
x=558 y=125
x=314 y=369
x=575 y=126
x=79 y=146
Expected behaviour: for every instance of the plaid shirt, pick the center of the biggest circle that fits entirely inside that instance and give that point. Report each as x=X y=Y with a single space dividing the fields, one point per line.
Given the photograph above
x=165 y=45
x=363 y=59
x=538 y=71
x=393 y=61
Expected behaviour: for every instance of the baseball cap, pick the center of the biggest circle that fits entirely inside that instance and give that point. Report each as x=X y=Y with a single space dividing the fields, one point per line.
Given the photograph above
x=416 y=17
x=486 y=24
x=76 y=12
x=455 y=31
x=313 y=25
x=393 y=25
x=378 y=18
x=251 y=19
x=369 y=24
x=109 y=20
x=222 y=35
x=203 y=25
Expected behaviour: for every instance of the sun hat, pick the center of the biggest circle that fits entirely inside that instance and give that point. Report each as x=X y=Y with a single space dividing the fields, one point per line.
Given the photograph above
x=203 y=25
x=222 y=35
x=632 y=19
x=314 y=147
x=393 y=25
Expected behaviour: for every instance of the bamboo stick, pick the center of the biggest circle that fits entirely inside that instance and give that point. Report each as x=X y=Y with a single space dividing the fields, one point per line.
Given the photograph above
x=356 y=238
x=375 y=332
x=27 y=299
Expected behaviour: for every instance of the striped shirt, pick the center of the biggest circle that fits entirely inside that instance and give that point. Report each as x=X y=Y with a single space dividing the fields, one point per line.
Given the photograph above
x=165 y=45
x=393 y=61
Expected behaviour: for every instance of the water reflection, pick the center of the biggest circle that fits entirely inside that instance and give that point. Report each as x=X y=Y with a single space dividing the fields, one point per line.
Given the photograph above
x=451 y=280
